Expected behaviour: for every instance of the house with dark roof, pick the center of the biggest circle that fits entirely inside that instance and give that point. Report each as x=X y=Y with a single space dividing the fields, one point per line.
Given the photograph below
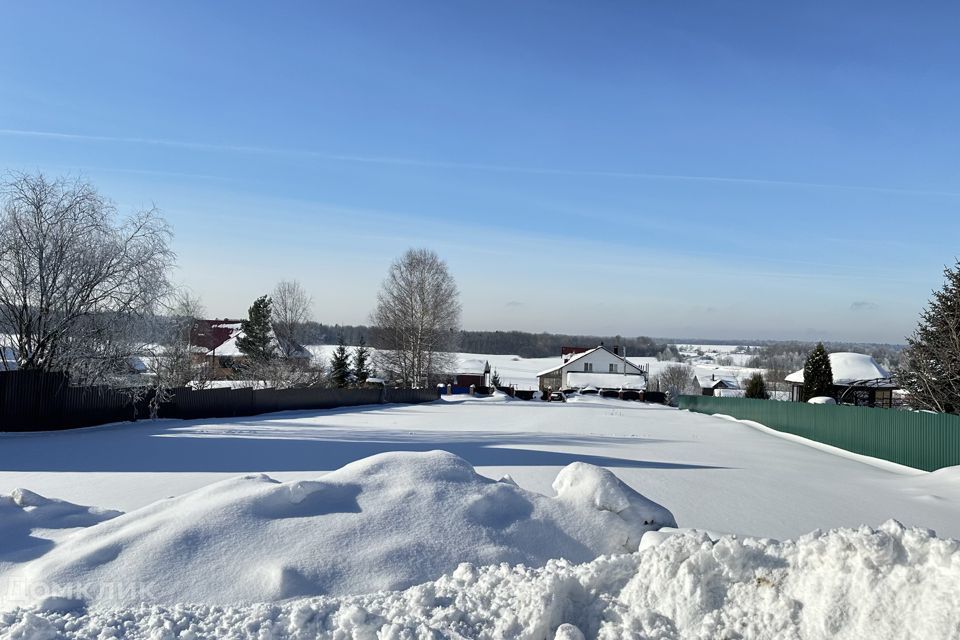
x=712 y=383
x=215 y=341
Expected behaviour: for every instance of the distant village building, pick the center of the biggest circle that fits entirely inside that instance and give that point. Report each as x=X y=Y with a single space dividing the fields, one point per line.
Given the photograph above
x=215 y=341
x=714 y=385
x=474 y=372
x=857 y=379
x=597 y=368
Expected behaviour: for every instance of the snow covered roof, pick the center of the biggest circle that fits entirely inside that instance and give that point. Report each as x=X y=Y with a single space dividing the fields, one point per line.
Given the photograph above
x=566 y=362
x=219 y=337
x=228 y=348
x=582 y=379
x=583 y=355
x=713 y=380
x=474 y=367
x=849 y=368
x=211 y=334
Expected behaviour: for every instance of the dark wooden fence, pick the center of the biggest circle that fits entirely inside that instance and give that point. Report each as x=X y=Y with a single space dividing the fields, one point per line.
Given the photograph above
x=39 y=401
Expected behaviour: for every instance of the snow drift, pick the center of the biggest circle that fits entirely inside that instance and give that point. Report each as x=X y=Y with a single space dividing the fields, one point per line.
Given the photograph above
x=382 y=523
x=27 y=519
x=891 y=582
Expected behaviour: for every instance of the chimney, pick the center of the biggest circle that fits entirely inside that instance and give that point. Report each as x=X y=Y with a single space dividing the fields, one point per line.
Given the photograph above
x=713 y=376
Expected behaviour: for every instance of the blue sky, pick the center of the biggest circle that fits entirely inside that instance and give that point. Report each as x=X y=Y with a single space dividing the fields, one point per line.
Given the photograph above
x=645 y=168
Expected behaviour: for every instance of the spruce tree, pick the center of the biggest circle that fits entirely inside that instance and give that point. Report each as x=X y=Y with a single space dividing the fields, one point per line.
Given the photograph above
x=361 y=362
x=817 y=374
x=757 y=387
x=257 y=340
x=930 y=368
x=495 y=379
x=340 y=365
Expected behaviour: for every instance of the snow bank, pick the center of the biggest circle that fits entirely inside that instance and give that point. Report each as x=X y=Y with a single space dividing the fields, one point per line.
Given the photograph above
x=29 y=522
x=384 y=522
x=891 y=582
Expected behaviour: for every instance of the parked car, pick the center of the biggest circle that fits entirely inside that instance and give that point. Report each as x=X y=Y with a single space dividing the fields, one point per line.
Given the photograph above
x=558 y=396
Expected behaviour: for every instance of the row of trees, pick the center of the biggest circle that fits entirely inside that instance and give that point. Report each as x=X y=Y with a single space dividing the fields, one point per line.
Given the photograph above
x=86 y=291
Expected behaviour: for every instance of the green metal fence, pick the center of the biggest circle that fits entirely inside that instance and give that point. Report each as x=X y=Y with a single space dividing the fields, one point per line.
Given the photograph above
x=926 y=441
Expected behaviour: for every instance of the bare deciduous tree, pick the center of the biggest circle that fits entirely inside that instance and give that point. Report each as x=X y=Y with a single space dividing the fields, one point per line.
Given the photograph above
x=291 y=313
x=74 y=277
x=676 y=380
x=417 y=319
x=172 y=362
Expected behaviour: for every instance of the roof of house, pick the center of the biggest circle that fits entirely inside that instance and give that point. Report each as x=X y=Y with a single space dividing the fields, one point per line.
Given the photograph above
x=606 y=380
x=850 y=368
x=713 y=381
x=583 y=355
x=473 y=367
x=219 y=337
x=211 y=334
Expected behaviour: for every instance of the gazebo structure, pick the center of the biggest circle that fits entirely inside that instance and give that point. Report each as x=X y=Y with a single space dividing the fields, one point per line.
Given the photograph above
x=857 y=379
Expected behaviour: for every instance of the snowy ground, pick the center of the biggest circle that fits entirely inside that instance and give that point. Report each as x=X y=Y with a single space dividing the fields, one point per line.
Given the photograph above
x=712 y=474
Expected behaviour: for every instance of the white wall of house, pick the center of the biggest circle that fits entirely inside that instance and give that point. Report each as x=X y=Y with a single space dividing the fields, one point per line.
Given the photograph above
x=600 y=361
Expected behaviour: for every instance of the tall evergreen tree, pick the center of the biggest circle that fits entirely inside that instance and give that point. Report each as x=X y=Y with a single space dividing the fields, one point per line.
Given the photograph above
x=361 y=362
x=817 y=374
x=495 y=379
x=930 y=368
x=257 y=340
x=757 y=387
x=340 y=365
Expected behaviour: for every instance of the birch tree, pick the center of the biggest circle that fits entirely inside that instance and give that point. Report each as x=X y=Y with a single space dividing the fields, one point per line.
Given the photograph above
x=417 y=319
x=291 y=313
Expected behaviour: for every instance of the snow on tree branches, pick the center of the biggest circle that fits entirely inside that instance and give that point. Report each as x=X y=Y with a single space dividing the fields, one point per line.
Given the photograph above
x=817 y=374
x=930 y=368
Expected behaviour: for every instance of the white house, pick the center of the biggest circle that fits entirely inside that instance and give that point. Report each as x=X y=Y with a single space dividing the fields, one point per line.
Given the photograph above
x=600 y=368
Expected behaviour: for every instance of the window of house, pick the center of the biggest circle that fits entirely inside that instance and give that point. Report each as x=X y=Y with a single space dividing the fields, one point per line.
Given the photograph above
x=613 y=368
x=588 y=367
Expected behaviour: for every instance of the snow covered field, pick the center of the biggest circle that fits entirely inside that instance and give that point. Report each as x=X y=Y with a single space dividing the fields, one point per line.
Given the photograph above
x=393 y=522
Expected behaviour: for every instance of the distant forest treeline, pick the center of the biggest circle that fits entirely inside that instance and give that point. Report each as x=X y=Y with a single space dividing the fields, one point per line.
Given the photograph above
x=790 y=356
x=521 y=343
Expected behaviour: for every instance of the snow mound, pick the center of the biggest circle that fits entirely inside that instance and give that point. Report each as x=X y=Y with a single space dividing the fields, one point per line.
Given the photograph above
x=26 y=517
x=890 y=582
x=384 y=522
x=582 y=484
